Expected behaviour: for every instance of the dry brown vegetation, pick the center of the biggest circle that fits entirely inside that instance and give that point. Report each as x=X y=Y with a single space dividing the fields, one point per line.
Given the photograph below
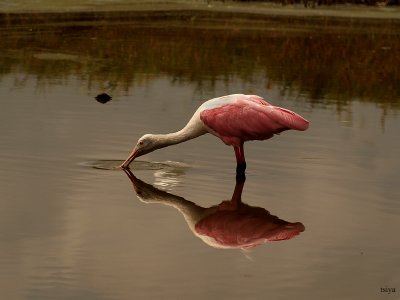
x=314 y=3
x=326 y=59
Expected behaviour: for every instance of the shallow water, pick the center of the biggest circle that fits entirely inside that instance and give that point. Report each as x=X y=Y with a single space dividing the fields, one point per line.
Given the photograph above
x=70 y=228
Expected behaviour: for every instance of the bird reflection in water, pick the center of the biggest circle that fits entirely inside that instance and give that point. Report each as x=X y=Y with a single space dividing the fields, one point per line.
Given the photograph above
x=231 y=224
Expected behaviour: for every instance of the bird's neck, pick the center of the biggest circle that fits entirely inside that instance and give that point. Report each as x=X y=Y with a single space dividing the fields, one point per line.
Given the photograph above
x=189 y=132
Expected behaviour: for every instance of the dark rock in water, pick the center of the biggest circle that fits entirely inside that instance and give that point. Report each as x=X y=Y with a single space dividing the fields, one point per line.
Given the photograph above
x=103 y=98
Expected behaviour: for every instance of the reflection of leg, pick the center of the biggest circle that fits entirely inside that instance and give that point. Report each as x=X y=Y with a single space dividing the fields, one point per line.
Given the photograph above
x=240 y=160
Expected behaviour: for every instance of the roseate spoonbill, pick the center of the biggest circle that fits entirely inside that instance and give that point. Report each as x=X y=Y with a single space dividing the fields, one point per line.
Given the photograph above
x=235 y=119
x=231 y=224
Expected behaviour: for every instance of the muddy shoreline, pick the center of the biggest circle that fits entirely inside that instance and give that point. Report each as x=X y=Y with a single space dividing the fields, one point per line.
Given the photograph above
x=196 y=12
x=192 y=18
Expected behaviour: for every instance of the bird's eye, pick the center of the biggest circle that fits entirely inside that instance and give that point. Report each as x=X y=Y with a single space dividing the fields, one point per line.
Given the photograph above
x=141 y=143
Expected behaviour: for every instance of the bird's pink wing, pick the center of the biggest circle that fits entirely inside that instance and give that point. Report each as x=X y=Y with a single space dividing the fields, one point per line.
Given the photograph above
x=287 y=118
x=243 y=120
x=256 y=99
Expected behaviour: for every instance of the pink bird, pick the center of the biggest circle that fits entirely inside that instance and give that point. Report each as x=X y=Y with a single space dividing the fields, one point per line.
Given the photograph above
x=235 y=119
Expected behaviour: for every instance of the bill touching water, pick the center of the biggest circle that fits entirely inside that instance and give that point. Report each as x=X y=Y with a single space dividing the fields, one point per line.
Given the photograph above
x=104 y=164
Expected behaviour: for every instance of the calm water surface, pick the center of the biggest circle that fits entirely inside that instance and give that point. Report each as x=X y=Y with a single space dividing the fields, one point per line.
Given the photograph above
x=72 y=229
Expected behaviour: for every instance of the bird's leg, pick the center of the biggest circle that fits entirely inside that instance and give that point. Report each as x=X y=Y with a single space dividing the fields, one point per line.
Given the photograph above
x=241 y=162
x=237 y=194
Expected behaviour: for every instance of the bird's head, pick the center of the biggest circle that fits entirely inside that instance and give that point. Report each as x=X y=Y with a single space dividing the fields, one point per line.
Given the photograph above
x=144 y=145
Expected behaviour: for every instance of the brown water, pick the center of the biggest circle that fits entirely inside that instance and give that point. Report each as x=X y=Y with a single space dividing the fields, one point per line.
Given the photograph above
x=72 y=229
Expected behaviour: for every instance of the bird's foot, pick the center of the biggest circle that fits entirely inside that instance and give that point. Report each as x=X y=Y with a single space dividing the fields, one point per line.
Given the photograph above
x=240 y=172
x=240 y=168
x=240 y=177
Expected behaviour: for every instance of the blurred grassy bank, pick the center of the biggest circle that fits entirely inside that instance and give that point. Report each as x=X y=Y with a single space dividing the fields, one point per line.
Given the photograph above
x=332 y=60
x=305 y=8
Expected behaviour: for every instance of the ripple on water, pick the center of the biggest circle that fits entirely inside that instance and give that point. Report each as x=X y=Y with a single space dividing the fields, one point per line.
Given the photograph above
x=171 y=166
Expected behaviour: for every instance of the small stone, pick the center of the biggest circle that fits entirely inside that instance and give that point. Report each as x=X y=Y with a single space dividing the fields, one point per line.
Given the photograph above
x=103 y=98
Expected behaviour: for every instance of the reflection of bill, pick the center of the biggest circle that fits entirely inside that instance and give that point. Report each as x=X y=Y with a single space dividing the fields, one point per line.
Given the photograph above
x=230 y=225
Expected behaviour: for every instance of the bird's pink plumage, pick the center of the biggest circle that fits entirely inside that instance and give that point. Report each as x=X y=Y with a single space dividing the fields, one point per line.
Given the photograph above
x=249 y=118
